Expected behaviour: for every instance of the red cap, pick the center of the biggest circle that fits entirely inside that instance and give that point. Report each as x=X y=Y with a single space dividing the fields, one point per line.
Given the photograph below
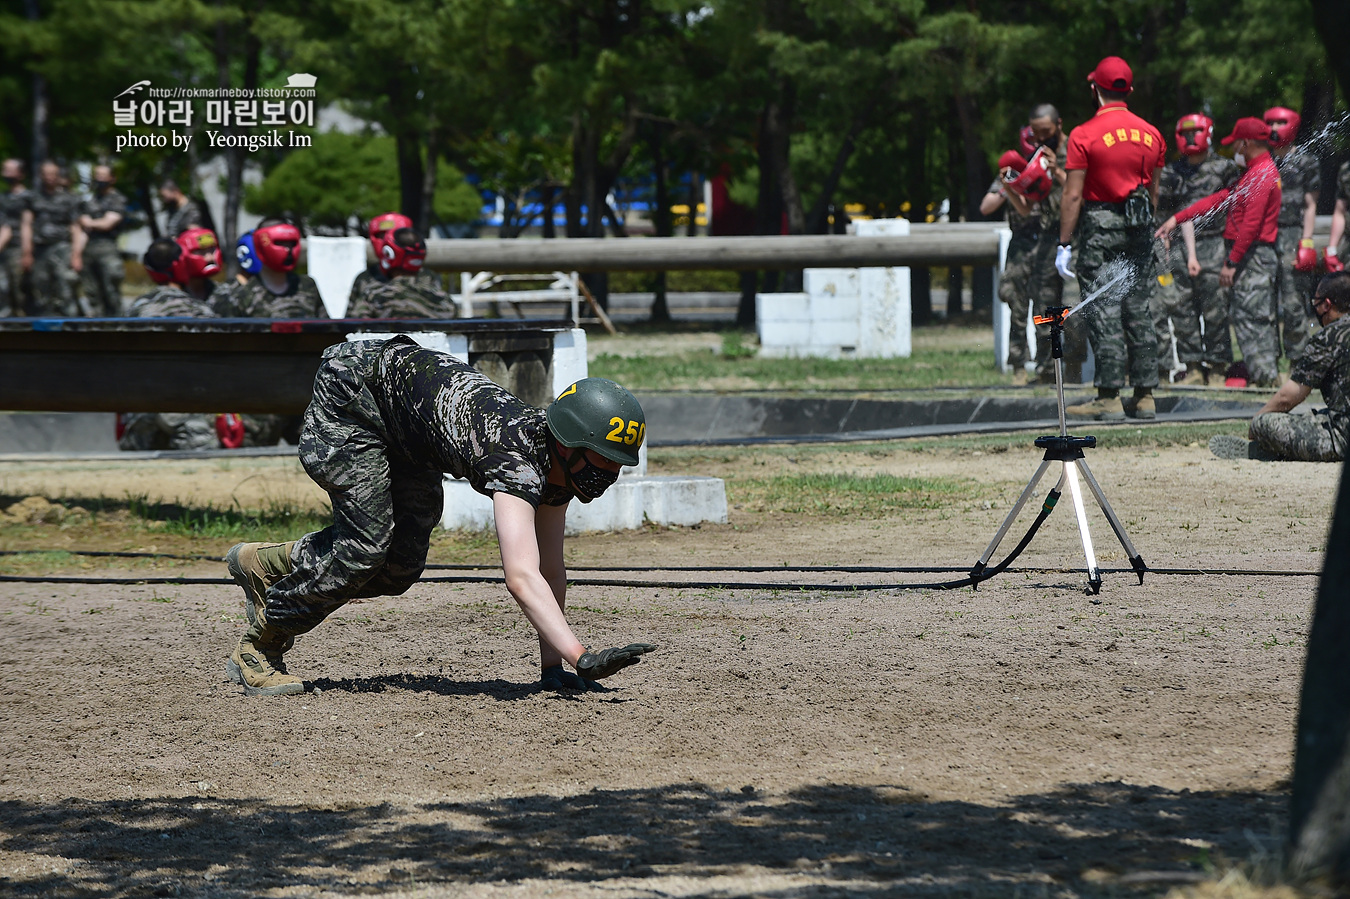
x=1112 y=74
x=1012 y=160
x=1249 y=128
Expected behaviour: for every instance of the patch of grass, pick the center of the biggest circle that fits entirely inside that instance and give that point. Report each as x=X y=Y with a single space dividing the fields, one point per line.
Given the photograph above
x=845 y=495
x=34 y=562
x=278 y=521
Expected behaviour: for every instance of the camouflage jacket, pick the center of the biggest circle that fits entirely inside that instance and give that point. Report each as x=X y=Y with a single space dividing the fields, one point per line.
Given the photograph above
x=96 y=207
x=444 y=415
x=12 y=205
x=1050 y=205
x=184 y=217
x=1325 y=365
x=252 y=299
x=1017 y=223
x=1182 y=184
x=1343 y=182
x=53 y=214
x=171 y=301
x=1299 y=174
x=376 y=295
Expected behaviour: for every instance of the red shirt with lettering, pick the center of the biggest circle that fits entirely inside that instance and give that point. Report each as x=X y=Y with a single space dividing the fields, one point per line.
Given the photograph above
x=1252 y=205
x=1118 y=150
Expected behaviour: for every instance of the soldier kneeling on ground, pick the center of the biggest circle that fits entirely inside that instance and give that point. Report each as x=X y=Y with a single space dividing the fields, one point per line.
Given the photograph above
x=387 y=419
x=1325 y=364
x=182 y=268
x=397 y=286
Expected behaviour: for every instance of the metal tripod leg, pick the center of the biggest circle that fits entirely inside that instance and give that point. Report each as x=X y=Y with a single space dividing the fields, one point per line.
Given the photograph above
x=1012 y=516
x=1094 y=574
x=1135 y=559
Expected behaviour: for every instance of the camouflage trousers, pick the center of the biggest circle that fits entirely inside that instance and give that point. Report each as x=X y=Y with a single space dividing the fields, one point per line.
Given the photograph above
x=54 y=282
x=1253 y=314
x=384 y=509
x=102 y=277
x=168 y=431
x=12 y=281
x=1120 y=325
x=1015 y=289
x=1292 y=292
x=1048 y=291
x=1187 y=302
x=1300 y=438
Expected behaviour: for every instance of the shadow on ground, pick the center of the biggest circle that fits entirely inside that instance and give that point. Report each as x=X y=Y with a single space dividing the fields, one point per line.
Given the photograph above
x=1106 y=839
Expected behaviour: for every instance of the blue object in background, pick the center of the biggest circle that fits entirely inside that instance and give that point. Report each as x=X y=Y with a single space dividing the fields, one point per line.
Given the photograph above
x=245 y=254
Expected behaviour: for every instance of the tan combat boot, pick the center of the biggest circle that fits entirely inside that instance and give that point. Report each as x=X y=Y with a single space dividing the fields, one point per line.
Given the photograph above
x=1019 y=376
x=256 y=664
x=1195 y=375
x=1103 y=408
x=1144 y=406
x=255 y=567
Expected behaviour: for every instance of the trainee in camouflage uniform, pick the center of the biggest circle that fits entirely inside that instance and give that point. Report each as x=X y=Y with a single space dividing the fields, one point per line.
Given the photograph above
x=1342 y=247
x=168 y=430
x=1046 y=284
x=386 y=421
x=1015 y=282
x=55 y=233
x=1178 y=296
x=253 y=299
x=1300 y=180
x=1114 y=163
x=379 y=295
x=103 y=268
x=1253 y=207
x=14 y=202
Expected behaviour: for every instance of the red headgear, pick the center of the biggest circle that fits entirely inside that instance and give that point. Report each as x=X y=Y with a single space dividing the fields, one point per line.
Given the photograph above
x=277 y=246
x=383 y=225
x=1201 y=127
x=1026 y=139
x=1283 y=124
x=1034 y=183
x=1011 y=159
x=186 y=262
x=402 y=251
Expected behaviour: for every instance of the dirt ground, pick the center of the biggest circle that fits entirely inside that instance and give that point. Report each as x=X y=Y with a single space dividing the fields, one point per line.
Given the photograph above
x=784 y=741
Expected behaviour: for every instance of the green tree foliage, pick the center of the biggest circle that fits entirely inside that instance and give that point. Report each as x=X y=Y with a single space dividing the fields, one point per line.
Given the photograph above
x=345 y=175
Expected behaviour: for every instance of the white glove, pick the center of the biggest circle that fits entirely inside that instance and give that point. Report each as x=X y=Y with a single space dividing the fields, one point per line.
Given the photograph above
x=1063 y=256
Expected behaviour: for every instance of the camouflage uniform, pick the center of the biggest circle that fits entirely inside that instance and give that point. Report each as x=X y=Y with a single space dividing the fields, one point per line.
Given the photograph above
x=1048 y=286
x=12 y=206
x=252 y=299
x=1343 y=194
x=189 y=215
x=1015 y=283
x=376 y=295
x=1175 y=294
x=1322 y=436
x=1299 y=175
x=1253 y=312
x=1120 y=325
x=103 y=268
x=168 y=430
x=54 y=282
x=386 y=420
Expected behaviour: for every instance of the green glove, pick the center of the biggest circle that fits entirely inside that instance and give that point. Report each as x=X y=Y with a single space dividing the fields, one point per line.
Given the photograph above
x=595 y=665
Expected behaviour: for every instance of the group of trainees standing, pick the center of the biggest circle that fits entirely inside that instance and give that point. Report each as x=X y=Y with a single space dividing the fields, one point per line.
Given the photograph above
x=1206 y=244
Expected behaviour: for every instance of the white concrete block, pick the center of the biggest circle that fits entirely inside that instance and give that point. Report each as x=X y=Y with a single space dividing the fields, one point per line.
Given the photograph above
x=784 y=333
x=792 y=307
x=834 y=333
x=881 y=227
x=884 y=323
x=835 y=282
x=334 y=263
x=569 y=359
x=828 y=308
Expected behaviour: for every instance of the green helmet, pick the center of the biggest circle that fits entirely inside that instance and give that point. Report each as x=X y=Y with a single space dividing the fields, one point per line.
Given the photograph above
x=598 y=414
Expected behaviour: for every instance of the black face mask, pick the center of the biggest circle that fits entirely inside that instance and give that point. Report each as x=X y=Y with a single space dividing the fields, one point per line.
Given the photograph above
x=172 y=205
x=102 y=185
x=588 y=483
x=11 y=180
x=1051 y=142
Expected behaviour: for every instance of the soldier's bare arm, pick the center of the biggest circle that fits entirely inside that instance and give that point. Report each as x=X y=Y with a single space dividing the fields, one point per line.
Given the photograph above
x=1154 y=185
x=1188 y=238
x=26 y=239
x=549 y=524
x=1309 y=214
x=1337 y=224
x=77 y=241
x=1286 y=398
x=6 y=235
x=521 y=563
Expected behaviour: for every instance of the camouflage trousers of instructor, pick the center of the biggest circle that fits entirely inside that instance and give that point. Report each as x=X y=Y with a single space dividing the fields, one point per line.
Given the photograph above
x=1120 y=323
x=1253 y=313
x=1015 y=287
x=384 y=509
x=1301 y=438
x=102 y=277
x=54 y=282
x=1187 y=301
x=11 y=281
x=1047 y=289
x=1292 y=292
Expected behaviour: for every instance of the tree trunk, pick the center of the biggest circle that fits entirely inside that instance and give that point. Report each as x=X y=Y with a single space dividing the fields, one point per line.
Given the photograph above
x=920 y=278
x=1332 y=19
x=428 y=217
x=408 y=149
x=818 y=220
x=41 y=108
x=1319 y=811
x=1319 y=107
x=768 y=215
x=660 y=219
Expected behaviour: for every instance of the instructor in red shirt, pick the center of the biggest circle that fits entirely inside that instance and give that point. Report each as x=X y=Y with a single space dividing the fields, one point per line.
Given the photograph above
x=1114 y=163
x=1250 y=269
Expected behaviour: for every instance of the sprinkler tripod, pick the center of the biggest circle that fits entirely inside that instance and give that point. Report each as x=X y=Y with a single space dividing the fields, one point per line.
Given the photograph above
x=1068 y=451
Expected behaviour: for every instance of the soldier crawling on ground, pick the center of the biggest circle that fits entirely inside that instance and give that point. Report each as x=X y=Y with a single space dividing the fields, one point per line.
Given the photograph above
x=397 y=286
x=387 y=419
x=182 y=269
x=1324 y=364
